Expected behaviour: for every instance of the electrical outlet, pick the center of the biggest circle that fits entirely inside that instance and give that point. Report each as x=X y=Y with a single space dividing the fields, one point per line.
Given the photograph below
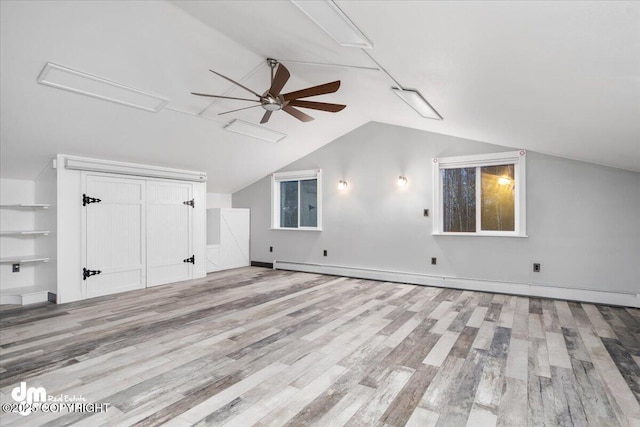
x=536 y=267
x=324 y=253
x=425 y=212
x=270 y=248
x=15 y=268
x=434 y=261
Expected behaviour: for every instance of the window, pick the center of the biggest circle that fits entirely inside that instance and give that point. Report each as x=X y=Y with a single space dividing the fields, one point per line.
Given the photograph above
x=296 y=200
x=481 y=195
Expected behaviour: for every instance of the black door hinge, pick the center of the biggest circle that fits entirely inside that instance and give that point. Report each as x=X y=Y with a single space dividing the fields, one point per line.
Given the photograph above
x=88 y=273
x=191 y=203
x=87 y=200
x=191 y=259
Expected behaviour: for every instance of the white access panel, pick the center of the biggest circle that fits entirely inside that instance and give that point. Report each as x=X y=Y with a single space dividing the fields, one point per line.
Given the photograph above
x=114 y=235
x=169 y=223
x=228 y=238
x=234 y=238
x=233 y=251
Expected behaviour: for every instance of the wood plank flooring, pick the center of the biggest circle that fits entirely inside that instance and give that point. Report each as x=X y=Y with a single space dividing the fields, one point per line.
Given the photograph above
x=273 y=348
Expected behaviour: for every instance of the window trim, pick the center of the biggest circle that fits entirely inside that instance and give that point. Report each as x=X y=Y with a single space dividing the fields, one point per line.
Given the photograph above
x=517 y=158
x=278 y=177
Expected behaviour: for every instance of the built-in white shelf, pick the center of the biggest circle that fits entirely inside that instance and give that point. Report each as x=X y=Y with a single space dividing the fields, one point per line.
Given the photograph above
x=23 y=221
x=24 y=259
x=25 y=295
x=24 y=232
x=27 y=205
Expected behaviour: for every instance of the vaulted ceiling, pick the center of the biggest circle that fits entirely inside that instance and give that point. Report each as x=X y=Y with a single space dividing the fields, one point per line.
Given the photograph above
x=561 y=78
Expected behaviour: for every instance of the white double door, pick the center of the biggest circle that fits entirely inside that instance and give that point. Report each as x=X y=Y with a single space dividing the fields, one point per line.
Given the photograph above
x=139 y=234
x=169 y=232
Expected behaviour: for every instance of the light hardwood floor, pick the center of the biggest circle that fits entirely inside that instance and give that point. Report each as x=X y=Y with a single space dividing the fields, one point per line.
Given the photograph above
x=260 y=347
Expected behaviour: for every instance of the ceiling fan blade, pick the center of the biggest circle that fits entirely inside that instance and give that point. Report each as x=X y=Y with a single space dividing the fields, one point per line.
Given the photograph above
x=282 y=75
x=297 y=113
x=236 y=83
x=313 y=91
x=239 y=109
x=323 y=106
x=266 y=117
x=224 y=97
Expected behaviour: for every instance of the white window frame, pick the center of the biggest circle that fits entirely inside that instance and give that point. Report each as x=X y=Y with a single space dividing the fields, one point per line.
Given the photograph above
x=278 y=177
x=516 y=158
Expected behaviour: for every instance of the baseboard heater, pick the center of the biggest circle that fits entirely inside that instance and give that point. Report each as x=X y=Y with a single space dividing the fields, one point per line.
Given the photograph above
x=261 y=264
x=626 y=299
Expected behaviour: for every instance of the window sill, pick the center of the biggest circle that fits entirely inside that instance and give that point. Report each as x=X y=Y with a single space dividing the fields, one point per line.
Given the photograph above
x=295 y=229
x=487 y=234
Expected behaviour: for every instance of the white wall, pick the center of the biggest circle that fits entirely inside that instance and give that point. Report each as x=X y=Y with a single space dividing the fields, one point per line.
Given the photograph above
x=218 y=200
x=46 y=219
x=213 y=226
x=582 y=218
x=16 y=191
x=69 y=242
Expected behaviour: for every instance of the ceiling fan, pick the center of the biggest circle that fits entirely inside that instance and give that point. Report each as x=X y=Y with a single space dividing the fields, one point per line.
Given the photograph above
x=272 y=100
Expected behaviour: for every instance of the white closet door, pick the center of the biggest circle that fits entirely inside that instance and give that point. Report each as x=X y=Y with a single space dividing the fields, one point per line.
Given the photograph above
x=114 y=235
x=169 y=223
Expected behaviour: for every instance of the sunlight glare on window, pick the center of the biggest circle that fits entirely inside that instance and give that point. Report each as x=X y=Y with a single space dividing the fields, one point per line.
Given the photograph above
x=498 y=198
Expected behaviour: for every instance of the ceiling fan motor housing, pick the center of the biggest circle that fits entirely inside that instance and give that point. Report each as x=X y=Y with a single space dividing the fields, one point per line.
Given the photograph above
x=271 y=103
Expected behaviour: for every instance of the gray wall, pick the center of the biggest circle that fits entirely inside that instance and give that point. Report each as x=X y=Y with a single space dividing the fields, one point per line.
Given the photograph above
x=582 y=219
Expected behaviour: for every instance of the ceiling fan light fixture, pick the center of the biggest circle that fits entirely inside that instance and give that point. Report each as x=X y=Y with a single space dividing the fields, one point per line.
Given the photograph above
x=417 y=102
x=271 y=105
x=328 y=16
x=254 y=131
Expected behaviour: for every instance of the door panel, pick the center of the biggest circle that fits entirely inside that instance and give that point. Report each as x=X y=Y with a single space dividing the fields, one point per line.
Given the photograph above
x=234 y=238
x=114 y=235
x=169 y=223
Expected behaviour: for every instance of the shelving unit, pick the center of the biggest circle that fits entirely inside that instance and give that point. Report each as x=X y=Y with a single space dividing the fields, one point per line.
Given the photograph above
x=25 y=293
x=26 y=205
x=24 y=232
x=24 y=259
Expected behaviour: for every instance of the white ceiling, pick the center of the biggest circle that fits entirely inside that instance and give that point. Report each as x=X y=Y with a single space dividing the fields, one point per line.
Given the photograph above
x=561 y=78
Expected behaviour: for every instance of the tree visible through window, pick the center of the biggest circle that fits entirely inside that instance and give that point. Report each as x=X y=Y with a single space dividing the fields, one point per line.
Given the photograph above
x=459 y=199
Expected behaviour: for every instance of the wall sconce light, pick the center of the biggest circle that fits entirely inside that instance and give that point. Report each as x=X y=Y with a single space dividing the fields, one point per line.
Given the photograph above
x=402 y=181
x=503 y=180
x=342 y=185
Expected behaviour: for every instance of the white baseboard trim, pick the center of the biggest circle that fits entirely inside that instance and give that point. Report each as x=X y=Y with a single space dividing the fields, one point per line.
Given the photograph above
x=526 y=289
